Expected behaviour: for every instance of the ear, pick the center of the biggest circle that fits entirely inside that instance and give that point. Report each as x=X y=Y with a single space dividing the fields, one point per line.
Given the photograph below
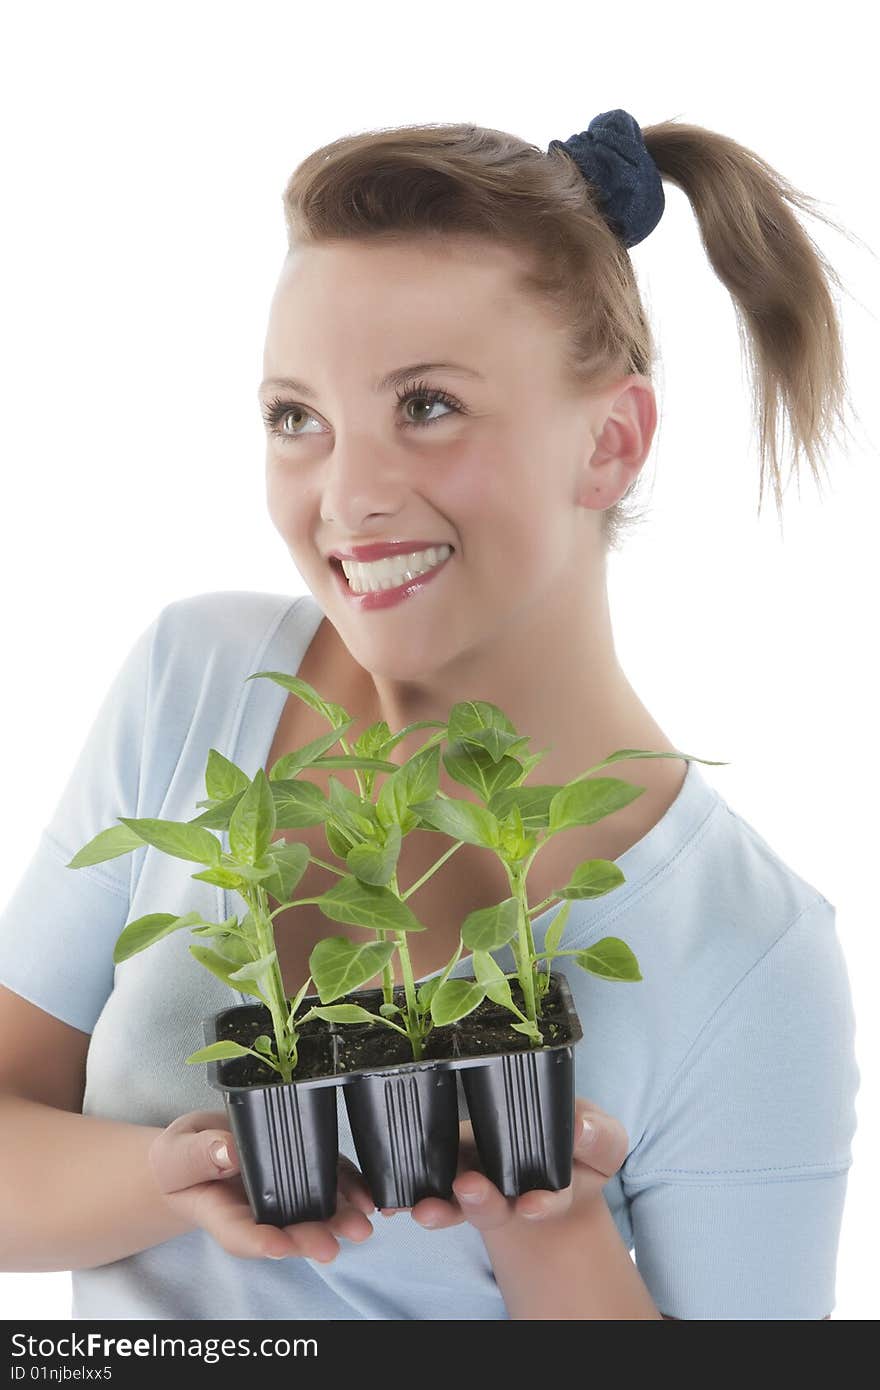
x=626 y=431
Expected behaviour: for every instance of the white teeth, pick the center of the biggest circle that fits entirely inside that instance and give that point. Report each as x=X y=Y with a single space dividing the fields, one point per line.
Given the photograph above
x=393 y=570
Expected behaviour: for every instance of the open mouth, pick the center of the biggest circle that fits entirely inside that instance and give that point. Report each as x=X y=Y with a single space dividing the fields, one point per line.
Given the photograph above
x=390 y=584
x=393 y=592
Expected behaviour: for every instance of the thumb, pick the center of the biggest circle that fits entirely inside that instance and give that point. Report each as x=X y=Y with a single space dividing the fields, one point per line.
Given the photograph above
x=181 y=1157
x=221 y=1155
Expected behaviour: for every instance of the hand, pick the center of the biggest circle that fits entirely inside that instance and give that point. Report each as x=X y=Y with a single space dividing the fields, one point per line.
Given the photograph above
x=597 y=1157
x=210 y=1192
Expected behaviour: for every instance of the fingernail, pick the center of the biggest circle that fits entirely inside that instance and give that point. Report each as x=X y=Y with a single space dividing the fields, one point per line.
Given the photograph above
x=277 y=1257
x=588 y=1131
x=220 y=1155
x=535 y=1215
x=471 y=1197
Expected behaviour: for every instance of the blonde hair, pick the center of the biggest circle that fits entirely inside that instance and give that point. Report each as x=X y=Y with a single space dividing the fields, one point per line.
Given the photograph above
x=462 y=179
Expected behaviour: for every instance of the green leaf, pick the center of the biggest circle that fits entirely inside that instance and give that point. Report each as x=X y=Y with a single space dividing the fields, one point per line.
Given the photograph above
x=217 y=817
x=177 y=838
x=220 y=967
x=291 y=859
x=532 y=803
x=488 y=974
x=252 y=873
x=218 y=1050
x=611 y=959
x=585 y=802
x=591 y=879
x=462 y=820
x=253 y=821
x=295 y=1003
x=339 y=966
x=221 y=876
x=529 y=1028
x=416 y=780
x=256 y=972
x=474 y=767
x=454 y=999
x=264 y=1044
x=293 y=763
x=622 y=753
x=351 y=810
x=108 y=844
x=352 y=760
x=216 y=928
x=556 y=928
x=346 y=1013
x=475 y=718
x=232 y=947
x=336 y=841
x=375 y=863
x=489 y=928
x=222 y=778
x=144 y=931
x=367 y=905
x=298 y=804
x=425 y=993
x=305 y=692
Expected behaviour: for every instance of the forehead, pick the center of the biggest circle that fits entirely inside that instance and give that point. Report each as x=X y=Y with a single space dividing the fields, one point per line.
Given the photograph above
x=427 y=298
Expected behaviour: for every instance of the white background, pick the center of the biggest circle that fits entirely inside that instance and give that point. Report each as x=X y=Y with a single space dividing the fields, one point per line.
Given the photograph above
x=146 y=151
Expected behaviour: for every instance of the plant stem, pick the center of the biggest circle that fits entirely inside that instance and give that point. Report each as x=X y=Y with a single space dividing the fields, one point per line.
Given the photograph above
x=387 y=971
x=277 y=1001
x=412 y=1011
x=551 y=955
x=431 y=871
x=548 y=902
x=526 y=946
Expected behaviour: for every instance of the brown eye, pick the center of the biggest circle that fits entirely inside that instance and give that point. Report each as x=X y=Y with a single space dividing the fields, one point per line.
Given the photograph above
x=277 y=412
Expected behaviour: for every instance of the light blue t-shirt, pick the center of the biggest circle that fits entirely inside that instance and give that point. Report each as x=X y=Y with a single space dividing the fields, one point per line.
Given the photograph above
x=731 y=1065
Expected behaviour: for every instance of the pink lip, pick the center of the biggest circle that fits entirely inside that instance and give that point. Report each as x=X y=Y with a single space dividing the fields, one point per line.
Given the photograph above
x=385 y=598
x=380 y=549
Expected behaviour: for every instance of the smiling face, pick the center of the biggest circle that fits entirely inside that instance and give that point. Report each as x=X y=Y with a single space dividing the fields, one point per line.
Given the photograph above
x=505 y=468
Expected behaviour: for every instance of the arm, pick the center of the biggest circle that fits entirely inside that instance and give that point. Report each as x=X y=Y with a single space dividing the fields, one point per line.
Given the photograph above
x=562 y=1268
x=76 y=1191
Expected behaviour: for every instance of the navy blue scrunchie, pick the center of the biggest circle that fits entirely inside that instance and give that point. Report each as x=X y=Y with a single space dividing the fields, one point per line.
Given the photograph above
x=611 y=154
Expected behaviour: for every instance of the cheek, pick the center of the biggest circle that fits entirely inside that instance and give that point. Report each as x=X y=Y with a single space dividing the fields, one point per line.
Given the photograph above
x=499 y=494
x=286 y=498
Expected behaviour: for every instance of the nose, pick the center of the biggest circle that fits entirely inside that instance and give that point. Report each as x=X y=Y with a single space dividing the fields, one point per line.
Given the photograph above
x=362 y=479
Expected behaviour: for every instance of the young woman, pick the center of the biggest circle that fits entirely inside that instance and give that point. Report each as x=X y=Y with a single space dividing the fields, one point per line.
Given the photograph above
x=457 y=370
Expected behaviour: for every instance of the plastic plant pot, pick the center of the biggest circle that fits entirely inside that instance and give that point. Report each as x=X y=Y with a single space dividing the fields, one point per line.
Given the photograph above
x=404 y=1115
x=286 y=1134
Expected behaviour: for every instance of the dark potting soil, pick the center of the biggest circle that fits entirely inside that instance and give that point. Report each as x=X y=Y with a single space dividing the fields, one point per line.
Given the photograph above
x=335 y=1049
x=315 y=1050
x=483 y=1032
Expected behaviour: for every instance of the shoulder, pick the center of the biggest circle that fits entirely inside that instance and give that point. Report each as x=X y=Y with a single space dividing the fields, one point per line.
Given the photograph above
x=207 y=636
x=226 y=614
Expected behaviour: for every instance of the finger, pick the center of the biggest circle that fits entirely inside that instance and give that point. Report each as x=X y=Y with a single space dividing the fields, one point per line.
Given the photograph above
x=313 y=1240
x=481 y=1203
x=353 y=1186
x=224 y=1212
x=435 y=1214
x=181 y=1157
x=350 y=1222
x=542 y=1204
x=600 y=1140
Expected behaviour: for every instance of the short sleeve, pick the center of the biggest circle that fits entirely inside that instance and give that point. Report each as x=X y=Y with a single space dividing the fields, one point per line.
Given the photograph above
x=737 y=1187
x=58 y=929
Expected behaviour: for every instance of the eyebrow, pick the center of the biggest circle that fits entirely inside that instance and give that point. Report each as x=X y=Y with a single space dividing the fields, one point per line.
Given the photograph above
x=384 y=383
